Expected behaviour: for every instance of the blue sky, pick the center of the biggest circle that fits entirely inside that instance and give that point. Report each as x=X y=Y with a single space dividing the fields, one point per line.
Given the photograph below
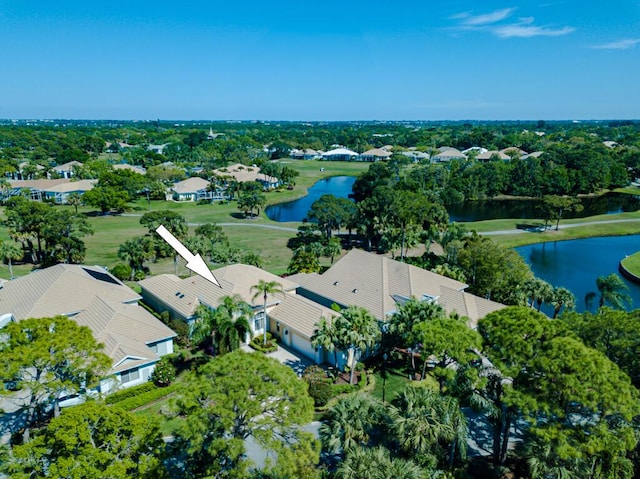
x=312 y=60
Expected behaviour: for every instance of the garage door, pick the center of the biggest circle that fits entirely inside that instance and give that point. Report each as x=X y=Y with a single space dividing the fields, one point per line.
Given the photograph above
x=303 y=346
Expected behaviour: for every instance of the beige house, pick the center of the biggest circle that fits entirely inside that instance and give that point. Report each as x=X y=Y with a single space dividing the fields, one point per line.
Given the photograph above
x=243 y=173
x=55 y=190
x=194 y=189
x=447 y=153
x=375 y=154
x=136 y=169
x=493 y=155
x=292 y=318
x=133 y=338
x=371 y=281
x=66 y=170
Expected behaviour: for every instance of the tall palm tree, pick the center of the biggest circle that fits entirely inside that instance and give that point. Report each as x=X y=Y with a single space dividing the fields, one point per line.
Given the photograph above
x=226 y=325
x=562 y=297
x=265 y=288
x=9 y=251
x=356 y=420
x=612 y=291
x=357 y=330
x=325 y=337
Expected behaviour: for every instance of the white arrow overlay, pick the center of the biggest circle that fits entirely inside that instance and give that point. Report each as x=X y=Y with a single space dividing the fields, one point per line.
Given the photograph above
x=194 y=261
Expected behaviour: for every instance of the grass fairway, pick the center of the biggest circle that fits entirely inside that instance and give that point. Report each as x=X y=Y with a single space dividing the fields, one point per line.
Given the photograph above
x=110 y=231
x=630 y=225
x=632 y=264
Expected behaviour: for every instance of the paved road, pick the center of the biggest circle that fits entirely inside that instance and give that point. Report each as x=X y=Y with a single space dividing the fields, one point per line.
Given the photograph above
x=572 y=225
x=255 y=225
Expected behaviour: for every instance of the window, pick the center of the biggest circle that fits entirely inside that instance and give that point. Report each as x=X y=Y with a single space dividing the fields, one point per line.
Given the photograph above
x=128 y=376
x=256 y=324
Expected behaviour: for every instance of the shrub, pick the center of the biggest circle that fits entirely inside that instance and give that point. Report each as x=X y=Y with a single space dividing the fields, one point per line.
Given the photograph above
x=257 y=344
x=164 y=372
x=146 y=398
x=129 y=392
x=320 y=388
x=139 y=276
x=121 y=271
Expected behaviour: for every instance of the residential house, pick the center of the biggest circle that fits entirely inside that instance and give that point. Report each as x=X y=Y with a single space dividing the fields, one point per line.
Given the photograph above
x=292 y=318
x=493 y=155
x=446 y=154
x=57 y=190
x=195 y=189
x=371 y=281
x=66 y=170
x=340 y=154
x=306 y=154
x=513 y=152
x=136 y=169
x=375 y=154
x=133 y=338
x=159 y=149
x=243 y=173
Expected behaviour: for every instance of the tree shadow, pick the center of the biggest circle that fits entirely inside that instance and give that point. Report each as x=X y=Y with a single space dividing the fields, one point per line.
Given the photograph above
x=531 y=227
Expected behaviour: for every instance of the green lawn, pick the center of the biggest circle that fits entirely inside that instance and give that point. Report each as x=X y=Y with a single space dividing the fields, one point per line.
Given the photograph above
x=632 y=263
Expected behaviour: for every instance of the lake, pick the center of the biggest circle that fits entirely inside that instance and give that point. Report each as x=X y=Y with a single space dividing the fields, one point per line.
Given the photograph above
x=609 y=203
x=575 y=264
x=340 y=186
x=296 y=210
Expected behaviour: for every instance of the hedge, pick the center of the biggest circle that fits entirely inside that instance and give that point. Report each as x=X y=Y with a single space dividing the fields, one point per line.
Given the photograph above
x=130 y=392
x=146 y=398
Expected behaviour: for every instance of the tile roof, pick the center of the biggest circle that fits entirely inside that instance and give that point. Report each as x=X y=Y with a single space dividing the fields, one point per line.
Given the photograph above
x=60 y=289
x=190 y=185
x=68 y=166
x=185 y=295
x=92 y=298
x=241 y=172
x=137 y=169
x=370 y=280
x=301 y=314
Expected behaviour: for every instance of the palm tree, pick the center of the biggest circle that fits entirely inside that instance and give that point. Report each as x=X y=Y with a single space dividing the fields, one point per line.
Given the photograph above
x=355 y=420
x=265 y=288
x=11 y=250
x=562 y=297
x=325 y=337
x=377 y=463
x=538 y=291
x=226 y=325
x=135 y=252
x=612 y=291
x=357 y=330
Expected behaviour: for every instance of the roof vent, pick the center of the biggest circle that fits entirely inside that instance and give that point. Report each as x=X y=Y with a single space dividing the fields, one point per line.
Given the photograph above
x=355 y=290
x=336 y=283
x=178 y=293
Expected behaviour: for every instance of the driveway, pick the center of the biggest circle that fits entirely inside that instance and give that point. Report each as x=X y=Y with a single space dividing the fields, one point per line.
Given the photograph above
x=296 y=361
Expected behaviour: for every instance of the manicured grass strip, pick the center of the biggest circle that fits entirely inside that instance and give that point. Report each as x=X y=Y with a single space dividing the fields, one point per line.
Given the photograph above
x=632 y=264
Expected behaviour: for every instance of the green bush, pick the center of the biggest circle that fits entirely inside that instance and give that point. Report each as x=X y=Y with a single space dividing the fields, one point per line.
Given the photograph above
x=121 y=271
x=164 y=372
x=146 y=398
x=257 y=344
x=320 y=387
x=129 y=392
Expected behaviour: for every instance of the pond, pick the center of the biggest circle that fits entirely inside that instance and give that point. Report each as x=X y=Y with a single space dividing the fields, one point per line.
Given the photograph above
x=296 y=210
x=575 y=264
x=609 y=203
x=340 y=186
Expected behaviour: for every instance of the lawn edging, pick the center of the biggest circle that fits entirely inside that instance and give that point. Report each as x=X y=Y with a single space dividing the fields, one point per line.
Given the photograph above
x=627 y=270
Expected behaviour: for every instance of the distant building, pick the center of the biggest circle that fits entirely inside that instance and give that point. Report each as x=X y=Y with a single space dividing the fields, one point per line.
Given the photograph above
x=136 y=169
x=195 y=189
x=66 y=170
x=375 y=154
x=57 y=190
x=446 y=154
x=340 y=154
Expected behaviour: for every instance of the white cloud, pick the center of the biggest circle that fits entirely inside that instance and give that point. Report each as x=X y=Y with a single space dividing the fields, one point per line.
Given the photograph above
x=525 y=27
x=619 y=45
x=526 y=30
x=466 y=18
